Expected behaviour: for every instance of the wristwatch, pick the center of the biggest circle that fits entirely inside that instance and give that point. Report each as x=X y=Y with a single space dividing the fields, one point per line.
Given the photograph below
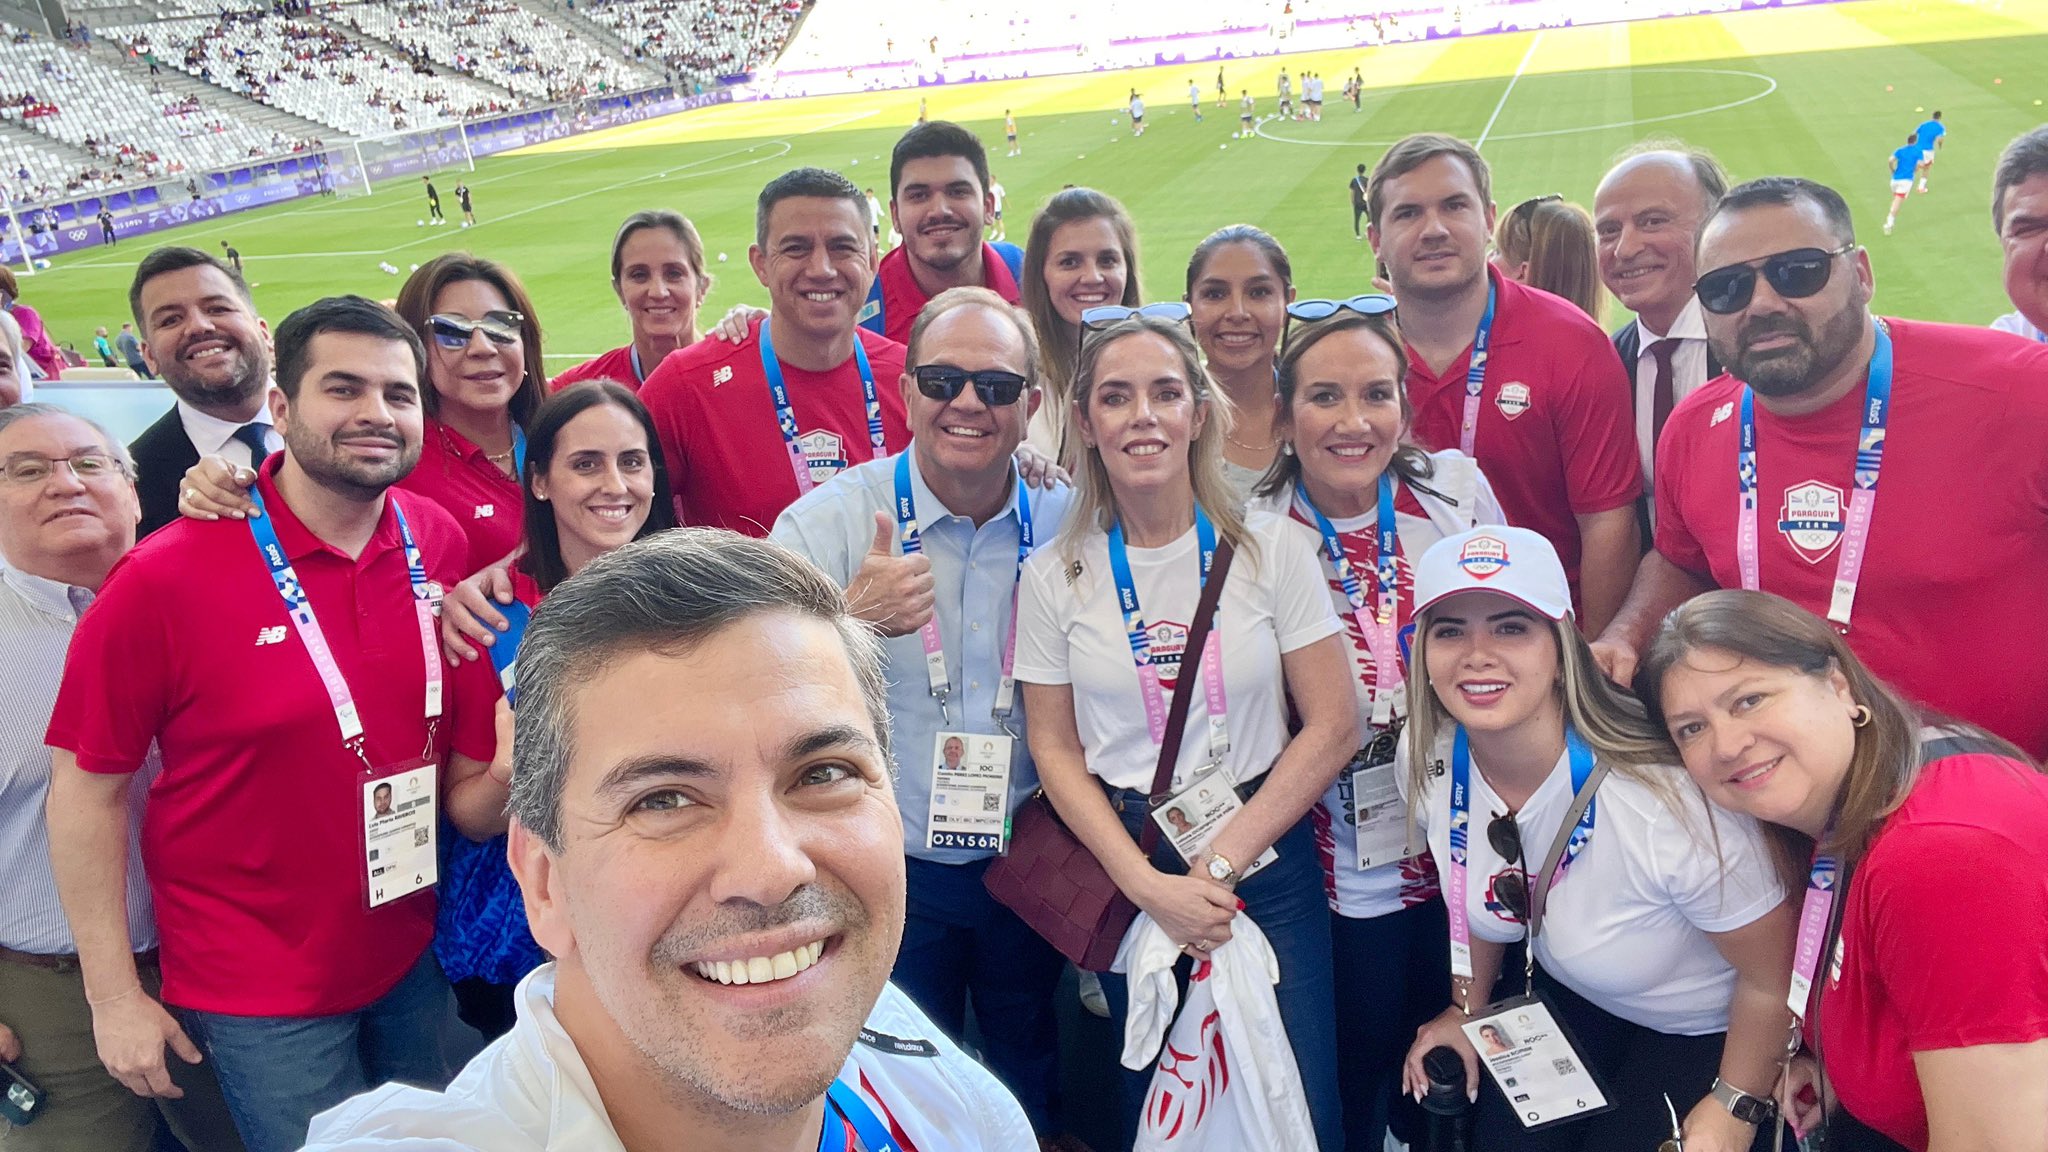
x=1221 y=870
x=1743 y=1106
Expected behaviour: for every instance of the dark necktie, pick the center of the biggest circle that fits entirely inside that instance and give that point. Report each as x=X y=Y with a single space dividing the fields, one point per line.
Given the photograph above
x=1662 y=392
x=252 y=435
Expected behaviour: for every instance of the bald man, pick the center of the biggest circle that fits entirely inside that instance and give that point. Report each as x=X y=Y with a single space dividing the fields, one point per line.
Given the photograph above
x=1647 y=214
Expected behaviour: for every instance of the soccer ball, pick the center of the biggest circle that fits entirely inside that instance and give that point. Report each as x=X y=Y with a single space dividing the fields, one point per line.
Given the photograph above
x=415 y=267
x=721 y=257
x=465 y=223
x=42 y=265
x=420 y=223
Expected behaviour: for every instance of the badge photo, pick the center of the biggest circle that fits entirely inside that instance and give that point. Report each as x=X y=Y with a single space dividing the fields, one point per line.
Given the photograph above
x=1535 y=1063
x=970 y=806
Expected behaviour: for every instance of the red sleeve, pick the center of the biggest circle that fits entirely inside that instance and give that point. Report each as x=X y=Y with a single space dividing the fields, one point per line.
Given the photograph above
x=663 y=394
x=117 y=690
x=1674 y=538
x=1602 y=469
x=1959 y=930
x=472 y=709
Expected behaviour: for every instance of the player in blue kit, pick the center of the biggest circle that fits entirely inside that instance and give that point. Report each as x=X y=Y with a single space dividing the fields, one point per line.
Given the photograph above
x=1905 y=161
x=1929 y=135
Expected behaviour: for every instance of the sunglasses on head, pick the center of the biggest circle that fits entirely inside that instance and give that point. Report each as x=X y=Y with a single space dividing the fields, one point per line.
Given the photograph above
x=1510 y=888
x=1309 y=311
x=502 y=327
x=1521 y=213
x=1103 y=317
x=1793 y=275
x=945 y=383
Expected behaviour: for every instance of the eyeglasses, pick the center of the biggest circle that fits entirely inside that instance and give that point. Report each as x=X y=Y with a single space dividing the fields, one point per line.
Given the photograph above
x=1793 y=275
x=944 y=382
x=1510 y=888
x=501 y=326
x=1368 y=304
x=26 y=468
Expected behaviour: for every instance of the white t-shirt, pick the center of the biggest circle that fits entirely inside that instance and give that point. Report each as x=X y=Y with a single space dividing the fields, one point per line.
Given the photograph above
x=530 y=1091
x=1421 y=519
x=1625 y=926
x=995 y=190
x=1069 y=631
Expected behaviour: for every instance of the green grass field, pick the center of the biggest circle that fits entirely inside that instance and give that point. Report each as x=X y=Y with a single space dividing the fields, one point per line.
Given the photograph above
x=1825 y=92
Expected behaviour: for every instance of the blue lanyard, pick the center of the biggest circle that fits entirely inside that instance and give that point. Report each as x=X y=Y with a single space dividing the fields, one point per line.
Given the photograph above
x=1378 y=622
x=785 y=416
x=1475 y=374
x=1461 y=798
x=1209 y=658
x=1127 y=589
x=1877 y=402
x=934 y=648
x=518 y=452
x=639 y=373
x=846 y=1104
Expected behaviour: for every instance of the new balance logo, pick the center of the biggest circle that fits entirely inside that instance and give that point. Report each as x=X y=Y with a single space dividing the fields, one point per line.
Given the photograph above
x=1722 y=413
x=271 y=635
x=721 y=376
x=484 y=512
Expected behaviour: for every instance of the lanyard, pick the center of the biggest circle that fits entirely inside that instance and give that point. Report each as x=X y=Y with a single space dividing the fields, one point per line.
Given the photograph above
x=786 y=418
x=1814 y=914
x=1475 y=375
x=846 y=1104
x=1380 y=623
x=639 y=373
x=1141 y=646
x=1581 y=758
x=300 y=608
x=1877 y=401
x=518 y=452
x=934 y=648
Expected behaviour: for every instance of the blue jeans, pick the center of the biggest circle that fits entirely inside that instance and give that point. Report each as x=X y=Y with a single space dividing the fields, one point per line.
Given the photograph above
x=958 y=942
x=1286 y=901
x=278 y=1072
x=1393 y=975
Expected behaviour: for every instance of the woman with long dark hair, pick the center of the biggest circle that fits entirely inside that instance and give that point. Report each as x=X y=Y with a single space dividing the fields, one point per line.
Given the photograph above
x=1239 y=285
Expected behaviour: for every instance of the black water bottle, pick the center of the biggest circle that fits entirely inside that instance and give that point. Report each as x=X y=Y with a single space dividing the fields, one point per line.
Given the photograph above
x=1450 y=1110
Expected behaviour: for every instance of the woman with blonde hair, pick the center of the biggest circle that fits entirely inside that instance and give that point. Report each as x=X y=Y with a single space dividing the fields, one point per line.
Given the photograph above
x=658 y=275
x=1547 y=242
x=1922 y=846
x=1656 y=928
x=1082 y=253
x=1103 y=634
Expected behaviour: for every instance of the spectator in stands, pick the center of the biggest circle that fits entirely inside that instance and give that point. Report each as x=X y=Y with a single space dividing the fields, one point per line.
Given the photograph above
x=636 y=1036
x=1483 y=351
x=300 y=977
x=15 y=386
x=50 y=568
x=204 y=337
x=1082 y=252
x=825 y=376
x=940 y=200
x=1923 y=586
x=659 y=277
x=1547 y=242
x=1239 y=285
x=44 y=359
x=2019 y=212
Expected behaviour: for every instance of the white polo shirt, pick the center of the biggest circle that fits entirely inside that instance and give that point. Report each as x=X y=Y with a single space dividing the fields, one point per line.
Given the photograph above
x=530 y=1091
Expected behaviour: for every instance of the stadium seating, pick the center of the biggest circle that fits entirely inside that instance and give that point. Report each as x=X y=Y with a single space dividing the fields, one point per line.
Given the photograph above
x=700 y=40
x=502 y=43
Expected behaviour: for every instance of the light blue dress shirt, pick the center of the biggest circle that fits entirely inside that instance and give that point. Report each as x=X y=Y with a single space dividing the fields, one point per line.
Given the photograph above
x=974 y=573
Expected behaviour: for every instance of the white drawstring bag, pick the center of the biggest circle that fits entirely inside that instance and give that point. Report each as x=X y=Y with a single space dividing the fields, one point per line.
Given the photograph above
x=1225 y=1080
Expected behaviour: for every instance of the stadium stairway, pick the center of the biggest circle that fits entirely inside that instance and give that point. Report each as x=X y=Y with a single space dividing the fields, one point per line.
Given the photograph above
x=498 y=91
x=77 y=159
x=176 y=84
x=557 y=12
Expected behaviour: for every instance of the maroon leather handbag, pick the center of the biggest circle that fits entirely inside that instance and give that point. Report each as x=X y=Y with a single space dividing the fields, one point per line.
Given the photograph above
x=1050 y=879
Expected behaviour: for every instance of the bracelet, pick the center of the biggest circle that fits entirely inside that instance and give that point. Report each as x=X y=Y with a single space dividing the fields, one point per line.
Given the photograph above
x=92 y=1003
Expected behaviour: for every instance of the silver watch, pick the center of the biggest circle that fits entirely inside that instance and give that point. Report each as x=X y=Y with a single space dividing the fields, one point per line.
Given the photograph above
x=1741 y=1105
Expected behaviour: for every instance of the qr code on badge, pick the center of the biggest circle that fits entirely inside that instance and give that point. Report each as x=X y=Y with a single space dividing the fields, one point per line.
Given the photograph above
x=419 y=837
x=991 y=802
x=1564 y=1067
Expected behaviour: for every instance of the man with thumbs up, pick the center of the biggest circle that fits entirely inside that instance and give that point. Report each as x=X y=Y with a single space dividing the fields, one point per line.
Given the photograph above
x=928 y=544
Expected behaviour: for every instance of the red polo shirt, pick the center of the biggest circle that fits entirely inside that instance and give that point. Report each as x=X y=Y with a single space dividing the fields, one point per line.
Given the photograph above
x=458 y=476
x=616 y=364
x=899 y=298
x=1556 y=431
x=253 y=832
x=1948 y=602
x=716 y=420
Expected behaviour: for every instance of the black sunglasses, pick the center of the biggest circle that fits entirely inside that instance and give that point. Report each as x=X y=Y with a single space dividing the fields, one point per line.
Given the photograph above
x=501 y=326
x=944 y=382
x=1520 y=213
x=1793 y=275
x=1510 y=888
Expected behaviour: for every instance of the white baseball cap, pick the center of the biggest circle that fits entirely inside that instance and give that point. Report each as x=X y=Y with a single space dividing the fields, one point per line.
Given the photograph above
x=1514 y=562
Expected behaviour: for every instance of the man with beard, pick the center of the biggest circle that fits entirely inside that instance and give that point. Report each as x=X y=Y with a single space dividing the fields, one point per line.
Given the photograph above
x=1768 y=477
x=294 y=926
x=200 y=333
x=1519 y=379
x=723 y=898
x=941 y=201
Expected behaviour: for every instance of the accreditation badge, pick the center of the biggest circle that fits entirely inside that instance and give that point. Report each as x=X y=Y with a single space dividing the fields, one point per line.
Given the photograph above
x=1534 y=1063
x=1377 y=812
x=399 y=829
x=970 y=791
x=1193 y=816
